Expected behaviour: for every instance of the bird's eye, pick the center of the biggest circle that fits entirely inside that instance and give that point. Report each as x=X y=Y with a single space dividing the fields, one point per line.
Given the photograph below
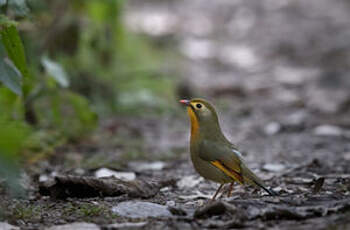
x=198 y=106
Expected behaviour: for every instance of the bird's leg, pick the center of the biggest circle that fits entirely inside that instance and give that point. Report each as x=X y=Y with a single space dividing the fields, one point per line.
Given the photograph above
x=230 y=189
x=217 y=191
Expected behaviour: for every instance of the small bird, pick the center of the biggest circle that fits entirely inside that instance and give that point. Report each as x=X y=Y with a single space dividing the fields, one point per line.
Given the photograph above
x=213 y=156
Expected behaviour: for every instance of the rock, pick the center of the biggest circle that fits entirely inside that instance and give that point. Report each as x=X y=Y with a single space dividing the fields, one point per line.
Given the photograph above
x=329 y=101
x=294 y=76
x=272 y=128
x=43 y=178
x=198 y=48
x=177 y=211
x=125 y=226
x=288 y=97
x=328 y=130
x=143 y=166
x=6 y=226
x=295 y=119
x=140 y=209
x=105 y=172
x=197 y=195
x=346 y=156
x=75 y=226
x=274 y=167
x=170 y=203
x=240 y=56
x=189 y=181
x=62 y=187
x=214 y=208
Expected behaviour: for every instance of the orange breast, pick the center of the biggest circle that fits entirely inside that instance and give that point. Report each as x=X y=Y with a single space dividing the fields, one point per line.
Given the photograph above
x=194 y=124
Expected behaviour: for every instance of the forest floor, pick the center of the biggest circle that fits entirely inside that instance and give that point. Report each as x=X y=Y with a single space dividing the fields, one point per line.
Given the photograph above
x=290 y=120
x=299 y=152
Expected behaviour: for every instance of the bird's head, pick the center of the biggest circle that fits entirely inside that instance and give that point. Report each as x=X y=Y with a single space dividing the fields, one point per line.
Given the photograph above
x=201 y=113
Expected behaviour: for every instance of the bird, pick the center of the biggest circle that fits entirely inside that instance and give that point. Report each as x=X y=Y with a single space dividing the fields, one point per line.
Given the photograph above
x=213 y=156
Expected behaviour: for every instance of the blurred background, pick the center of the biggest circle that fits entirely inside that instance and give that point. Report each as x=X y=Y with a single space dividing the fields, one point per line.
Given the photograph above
x=91 y=83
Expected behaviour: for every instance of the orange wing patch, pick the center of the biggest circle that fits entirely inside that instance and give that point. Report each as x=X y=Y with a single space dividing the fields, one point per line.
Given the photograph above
x=229 y=172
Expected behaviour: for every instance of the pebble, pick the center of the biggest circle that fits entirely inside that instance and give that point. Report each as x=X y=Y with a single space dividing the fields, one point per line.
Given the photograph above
x=43 y=178
x=6 y=226
x=141 y=209
x=128 y=225
x=296 y=118
x=328 y=130
x=75 y=226
x=294 y=76
x=272 y=128
x=105 y=172
x=170 y=203
x=274 y=167
x=143 y=166
x=327 y=101
x=346 y=156
x=189 y=181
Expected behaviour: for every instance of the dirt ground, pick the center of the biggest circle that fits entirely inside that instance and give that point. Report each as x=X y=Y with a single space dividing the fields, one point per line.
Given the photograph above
x=280 y=84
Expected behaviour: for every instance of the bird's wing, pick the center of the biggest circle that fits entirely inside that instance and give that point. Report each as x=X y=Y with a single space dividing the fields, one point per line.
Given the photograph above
x=229 y=160
x=222 y=157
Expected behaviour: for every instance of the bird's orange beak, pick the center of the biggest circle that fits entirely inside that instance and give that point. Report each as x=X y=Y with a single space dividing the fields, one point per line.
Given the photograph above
x=185 y=102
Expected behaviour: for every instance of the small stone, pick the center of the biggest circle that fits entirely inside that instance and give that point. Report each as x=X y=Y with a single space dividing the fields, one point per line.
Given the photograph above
x=128 y=225
x=143 y=166
x=170 y=203
x=79 y=171
x=346 y=156
x=287 y=97
x=277 y=189
x=296 y=118
x=214 y=208
x=6 y=226
x=272 y=128
x=177 y=211
x=75 y=226
x=197 y=195
x=43 y=178
x=189 y=181
x=328 y=130
x=274 y=167
x=198 y=48
x=105 y=172
x=294 y=76
x=140 y=209
x=165 y=189
x=240 y=56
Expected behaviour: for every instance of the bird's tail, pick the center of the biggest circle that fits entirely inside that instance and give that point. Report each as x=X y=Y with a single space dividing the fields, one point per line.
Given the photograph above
x=251 y=178
x=269 y=191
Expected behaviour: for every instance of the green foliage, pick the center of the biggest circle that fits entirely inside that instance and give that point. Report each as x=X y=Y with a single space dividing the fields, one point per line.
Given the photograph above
x=72 y=61
x=13 y=134
x=10 y=77
x=14 y=47
x=26 y=212
x=56 y=71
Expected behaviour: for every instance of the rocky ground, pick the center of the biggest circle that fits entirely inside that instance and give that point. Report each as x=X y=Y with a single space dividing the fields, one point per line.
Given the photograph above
x=278 y=75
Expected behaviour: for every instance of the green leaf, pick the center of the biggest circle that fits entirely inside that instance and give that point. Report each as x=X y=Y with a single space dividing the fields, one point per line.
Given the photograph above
x=14 y=47
x=5 y=21
x=10 y=77
x=13 y=134
x=55 y=71
x=82 y=110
